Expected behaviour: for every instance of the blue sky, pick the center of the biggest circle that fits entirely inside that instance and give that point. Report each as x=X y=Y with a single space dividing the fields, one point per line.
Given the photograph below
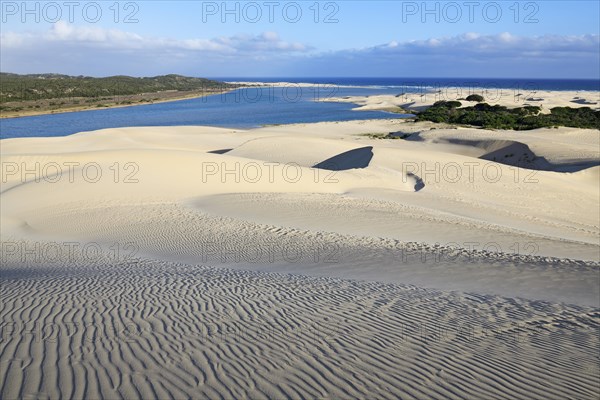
x=547 y=39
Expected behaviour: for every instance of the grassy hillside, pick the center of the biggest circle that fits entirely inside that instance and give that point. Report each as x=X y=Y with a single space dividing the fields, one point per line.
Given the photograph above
x=48 y=93
x=15 y=87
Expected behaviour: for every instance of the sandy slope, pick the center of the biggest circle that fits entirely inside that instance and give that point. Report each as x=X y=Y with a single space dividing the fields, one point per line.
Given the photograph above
x=301 y=261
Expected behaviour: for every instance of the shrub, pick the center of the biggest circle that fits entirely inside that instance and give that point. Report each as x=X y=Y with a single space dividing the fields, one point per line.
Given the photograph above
x=475 y=97
x=533 y=109
x=500 y=117
x=447 y=104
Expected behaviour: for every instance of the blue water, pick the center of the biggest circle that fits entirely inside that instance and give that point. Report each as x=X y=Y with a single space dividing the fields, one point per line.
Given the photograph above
x=438 y=83
x=243 y=108
x=252 y=107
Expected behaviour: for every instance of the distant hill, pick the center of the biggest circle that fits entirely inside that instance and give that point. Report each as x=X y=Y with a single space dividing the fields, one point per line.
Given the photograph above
x=15 y=87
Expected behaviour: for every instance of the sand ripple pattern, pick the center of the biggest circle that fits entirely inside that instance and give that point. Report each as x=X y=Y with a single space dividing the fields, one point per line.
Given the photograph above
x=148 y=329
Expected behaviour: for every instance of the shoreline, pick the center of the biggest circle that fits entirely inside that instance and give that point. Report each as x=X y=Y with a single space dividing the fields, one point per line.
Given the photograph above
x=408 y=102
x=33 y=113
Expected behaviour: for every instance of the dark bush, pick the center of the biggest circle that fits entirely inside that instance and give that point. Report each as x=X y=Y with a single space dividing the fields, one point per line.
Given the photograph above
x=475 y=97
x=534 y=110
x=500 y=117
x=447 y=104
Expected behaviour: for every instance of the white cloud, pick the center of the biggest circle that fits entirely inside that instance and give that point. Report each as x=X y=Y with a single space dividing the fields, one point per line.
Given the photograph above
x=68 y=48
x=471 y=55
x=270 y=36
x=500 y=44
x=69 y=35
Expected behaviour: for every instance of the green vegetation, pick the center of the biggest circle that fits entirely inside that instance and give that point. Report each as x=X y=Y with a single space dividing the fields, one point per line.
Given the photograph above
x=475 y=97
x=447 y=104
x=14 y=87
x=53 y=92
x=500 y=117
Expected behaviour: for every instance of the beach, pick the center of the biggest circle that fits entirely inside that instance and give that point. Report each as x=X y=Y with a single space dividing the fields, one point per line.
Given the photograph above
x=358 y=259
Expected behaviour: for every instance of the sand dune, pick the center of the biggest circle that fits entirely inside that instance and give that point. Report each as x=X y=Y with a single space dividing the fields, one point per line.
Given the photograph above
x=506 y=97
x=306 y=152
x=529 y=151
x=301 y=261
x=351 y=159
x=507 y=152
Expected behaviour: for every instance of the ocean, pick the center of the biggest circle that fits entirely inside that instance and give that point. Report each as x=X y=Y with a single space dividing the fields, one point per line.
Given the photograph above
x=438 y=83
x=254 y=107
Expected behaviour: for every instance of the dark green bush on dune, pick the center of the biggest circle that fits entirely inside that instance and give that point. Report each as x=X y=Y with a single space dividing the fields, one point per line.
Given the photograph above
x=475 y=97
x=583 y=117
x=447 y=104
x=500 y=117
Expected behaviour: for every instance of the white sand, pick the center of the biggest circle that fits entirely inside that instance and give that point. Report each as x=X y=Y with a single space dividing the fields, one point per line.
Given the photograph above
x=510 y=98
x=219 y=263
